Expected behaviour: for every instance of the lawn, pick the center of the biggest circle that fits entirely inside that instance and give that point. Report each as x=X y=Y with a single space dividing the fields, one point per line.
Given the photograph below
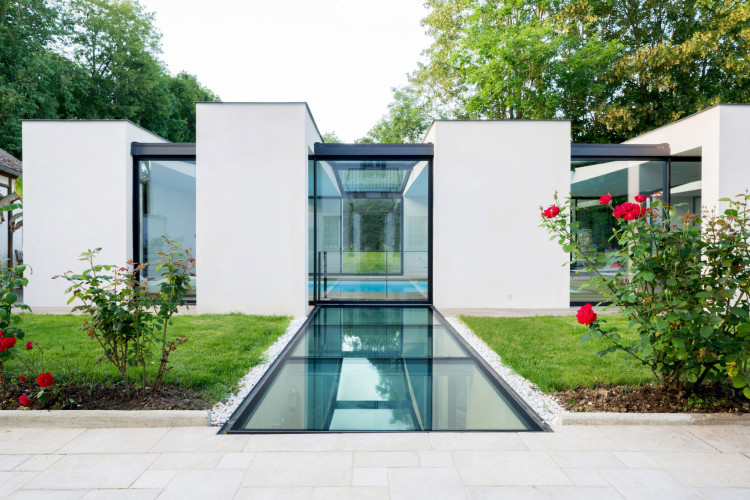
x=219 y=352
x=548 y=351
x=371 y=262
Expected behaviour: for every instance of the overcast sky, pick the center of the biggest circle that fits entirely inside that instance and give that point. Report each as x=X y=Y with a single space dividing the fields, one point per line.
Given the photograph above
x=340 y=56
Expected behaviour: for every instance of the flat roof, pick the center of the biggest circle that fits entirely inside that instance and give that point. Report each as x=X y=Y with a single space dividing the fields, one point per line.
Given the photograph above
x=373 y=150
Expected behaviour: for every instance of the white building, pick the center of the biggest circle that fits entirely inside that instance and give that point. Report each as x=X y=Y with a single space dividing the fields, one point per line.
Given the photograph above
x=278 y=220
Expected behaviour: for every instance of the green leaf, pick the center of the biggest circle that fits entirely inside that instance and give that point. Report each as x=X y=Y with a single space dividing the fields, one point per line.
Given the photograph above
x=746 y=392
x=706 y=331
x=585 y=337
x=671 y=282
x=648 y=276
x=730 y=212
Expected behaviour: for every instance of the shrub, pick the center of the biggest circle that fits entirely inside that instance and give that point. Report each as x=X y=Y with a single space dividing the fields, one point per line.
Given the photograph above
x=684 y=288
x=11 y=278
x=127 y=320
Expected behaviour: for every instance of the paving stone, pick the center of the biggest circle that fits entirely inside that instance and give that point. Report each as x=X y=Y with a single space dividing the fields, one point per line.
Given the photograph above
x=425 y=483
x=571 y=438
x=636 y=459
x=154 y=479
x=48 y=495
x=293 y=442
x=35 y=440
x=203 y=439
x=235 y=461
x=586 y=459
x=648 y=484
x=182 y=461
x=726 y=438
x=509 y=468
x=506 y=493
x=351 y=492
x=279 y=493
x=436 y=459
x=586 y=476
x=581 y=493
x=331 y=468
x=122 y=494
x=103 y=471
x=385 y=442
x=203 y=483
x=10 y=462
x=370 y=476
x=39 y=462
x=115 y=440
x=707 y=469
x=386 y=459
x=13 y=480
x=501 y=441
x=723 y=493
x=654 y=438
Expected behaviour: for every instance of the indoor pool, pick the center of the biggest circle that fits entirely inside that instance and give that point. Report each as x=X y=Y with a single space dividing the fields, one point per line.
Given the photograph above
x=344 y=286
x=380 y=368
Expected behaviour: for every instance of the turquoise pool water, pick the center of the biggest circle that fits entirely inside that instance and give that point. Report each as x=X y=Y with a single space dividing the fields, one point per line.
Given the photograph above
x=379 y=368
x=383 y=287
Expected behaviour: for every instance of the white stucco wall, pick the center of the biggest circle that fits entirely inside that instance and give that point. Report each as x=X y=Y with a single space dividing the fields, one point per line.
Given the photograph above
x=490 y=178
x=720 y=136
x=77 y=196
x=252 y=211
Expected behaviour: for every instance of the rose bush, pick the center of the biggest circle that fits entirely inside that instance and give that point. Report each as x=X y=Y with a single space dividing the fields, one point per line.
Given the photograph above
x=684 y=286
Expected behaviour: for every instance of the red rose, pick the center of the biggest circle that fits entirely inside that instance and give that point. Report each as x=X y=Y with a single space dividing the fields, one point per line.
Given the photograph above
x=8 y=342
x=551 y=212
x=640 y=198
x=45 y=380
x=605 y=199
x=586 y=315
x=628 y=211
x=24 y=400
x=28 y=345
x=22 y=378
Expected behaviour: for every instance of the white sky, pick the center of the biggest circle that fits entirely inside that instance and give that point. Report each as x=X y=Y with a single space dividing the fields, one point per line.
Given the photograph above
x=340 y=56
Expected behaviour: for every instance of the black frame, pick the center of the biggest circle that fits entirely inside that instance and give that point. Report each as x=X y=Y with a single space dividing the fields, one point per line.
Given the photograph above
x=630 y=152
x=524 y=411
x=372 y=152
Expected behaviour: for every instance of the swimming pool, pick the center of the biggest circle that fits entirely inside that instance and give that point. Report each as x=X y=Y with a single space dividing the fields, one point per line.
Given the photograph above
x=382 y=287
x=380 y=368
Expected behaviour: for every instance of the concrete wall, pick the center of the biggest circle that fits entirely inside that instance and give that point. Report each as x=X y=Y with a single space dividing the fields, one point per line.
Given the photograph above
x=252 y=212
x=718 y=134
x=77 y=196
x=490 y=178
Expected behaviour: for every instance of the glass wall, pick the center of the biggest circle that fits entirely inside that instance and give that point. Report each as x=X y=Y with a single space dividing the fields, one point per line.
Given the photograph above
x=167 y=208
x=623 y=180
x=370 y=229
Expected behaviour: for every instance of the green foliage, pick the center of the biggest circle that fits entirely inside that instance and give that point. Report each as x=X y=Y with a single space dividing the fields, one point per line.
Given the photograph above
x=331 y=138
x=685 y=291
x=89 y=59
x=547 y=351
x=128 y=321
x=615 y=69
x=408 y=118
x=11 y=279
x=221 y=350
x=13 y=201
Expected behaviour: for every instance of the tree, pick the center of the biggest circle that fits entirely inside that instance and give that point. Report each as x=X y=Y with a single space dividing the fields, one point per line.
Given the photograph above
x=331 y=137
x=407 y=120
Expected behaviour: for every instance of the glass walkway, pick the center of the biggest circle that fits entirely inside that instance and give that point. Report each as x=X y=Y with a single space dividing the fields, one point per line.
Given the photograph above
x=380 y=368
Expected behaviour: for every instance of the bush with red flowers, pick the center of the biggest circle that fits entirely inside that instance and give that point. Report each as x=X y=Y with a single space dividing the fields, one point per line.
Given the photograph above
x=45 y=380
x=683 y=282
x=11 y=279
x=551 y=212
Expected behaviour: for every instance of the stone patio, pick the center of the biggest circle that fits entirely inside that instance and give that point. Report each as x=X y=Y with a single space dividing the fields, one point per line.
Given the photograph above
x=600 y=462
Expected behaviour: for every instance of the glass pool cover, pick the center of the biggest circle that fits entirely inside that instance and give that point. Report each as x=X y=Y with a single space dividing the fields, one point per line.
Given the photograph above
x=380 y=368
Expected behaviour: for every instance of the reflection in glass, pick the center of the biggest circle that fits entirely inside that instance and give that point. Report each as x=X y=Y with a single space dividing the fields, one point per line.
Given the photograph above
x=167 y=208
x=372 y=224
x=380 y=369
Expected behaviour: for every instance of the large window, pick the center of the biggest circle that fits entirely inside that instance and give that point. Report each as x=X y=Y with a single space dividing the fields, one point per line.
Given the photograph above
x=623 y=179
x=369 y=229
x=166 y=205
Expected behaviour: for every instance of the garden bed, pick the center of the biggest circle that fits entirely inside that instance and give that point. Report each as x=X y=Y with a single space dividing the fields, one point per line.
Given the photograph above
x=650 y=399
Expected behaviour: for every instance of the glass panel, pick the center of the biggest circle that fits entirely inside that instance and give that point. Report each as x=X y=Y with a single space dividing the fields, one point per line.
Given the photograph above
x=623 y=180
x=686 y=192
x=167 y=204
x=372 y=229
x=366 y=373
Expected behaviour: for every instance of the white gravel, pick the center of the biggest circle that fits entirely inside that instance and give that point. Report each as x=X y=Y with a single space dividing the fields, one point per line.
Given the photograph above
x=543 y=404
x=221 y=411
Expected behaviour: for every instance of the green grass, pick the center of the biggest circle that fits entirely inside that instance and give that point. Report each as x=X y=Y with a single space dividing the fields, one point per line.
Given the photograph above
x=220 y=349
x=548 y=351
x=371 y=262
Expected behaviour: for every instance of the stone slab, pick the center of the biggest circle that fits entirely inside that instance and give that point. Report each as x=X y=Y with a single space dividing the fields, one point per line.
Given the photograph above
x=604 y=418
x=97 y=419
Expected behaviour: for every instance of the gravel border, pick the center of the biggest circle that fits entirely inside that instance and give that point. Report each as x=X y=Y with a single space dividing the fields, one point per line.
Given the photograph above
x=221 y=411
x=543 y=404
